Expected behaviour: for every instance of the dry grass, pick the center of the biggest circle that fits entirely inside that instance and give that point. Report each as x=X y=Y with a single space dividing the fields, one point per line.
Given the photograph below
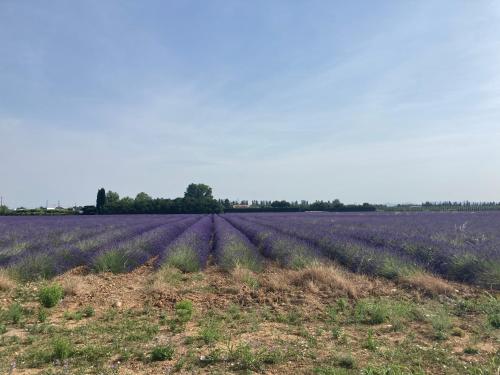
x=276 y=281
x=6 y=283
x=430 y=284
x=314 y=278
x=164 y=281
x=324 y=277
x=244 y=276
x=72 y=285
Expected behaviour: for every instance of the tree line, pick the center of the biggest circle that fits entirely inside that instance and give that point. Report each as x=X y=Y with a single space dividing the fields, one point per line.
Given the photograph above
x=198 y=198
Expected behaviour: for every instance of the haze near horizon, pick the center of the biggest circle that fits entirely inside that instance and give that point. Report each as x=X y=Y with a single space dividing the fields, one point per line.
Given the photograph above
x=365 y=102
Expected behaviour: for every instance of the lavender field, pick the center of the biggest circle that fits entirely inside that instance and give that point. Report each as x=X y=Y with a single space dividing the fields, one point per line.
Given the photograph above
x=462 y=247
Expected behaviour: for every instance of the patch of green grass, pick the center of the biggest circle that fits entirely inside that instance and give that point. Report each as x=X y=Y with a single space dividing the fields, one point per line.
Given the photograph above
x=390 y=369
x=169 y=275
x=471 y=350
x=62 y=348
x=34 y=268
x=248 y=278
x=441 y=324
x=331 y=370
x=457 y=332
x=210 y=331
x=234 y=312
x=88 y=311
x=42 y=315
x=184 y=258
x=114 y=261
x=15 y=313
x=494 y=319
x=337 y=332
x=73 y=315
x=291 y=317
x=299 y=261
x=184 y=310
x=342 y=304
x=50 y=295
x=212 y=357
x=243 y=357
x=237 y=254
x=183 y=313
x=162 y=353
x=331 y=314
x=371 y=312
x=346 y=361
x=370 y=342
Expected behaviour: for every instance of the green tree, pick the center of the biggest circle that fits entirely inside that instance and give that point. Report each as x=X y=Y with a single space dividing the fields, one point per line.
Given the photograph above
x=198 y=191
x=101 y=200
x=143 y=203
x=198 y=198
x=112 y=197
x=280 y=204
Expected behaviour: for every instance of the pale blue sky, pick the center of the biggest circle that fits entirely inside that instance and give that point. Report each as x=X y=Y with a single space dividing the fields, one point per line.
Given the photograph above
x=379 y=101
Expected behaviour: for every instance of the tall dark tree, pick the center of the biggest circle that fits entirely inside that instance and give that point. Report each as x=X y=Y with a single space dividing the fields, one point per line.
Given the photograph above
x=101 y=200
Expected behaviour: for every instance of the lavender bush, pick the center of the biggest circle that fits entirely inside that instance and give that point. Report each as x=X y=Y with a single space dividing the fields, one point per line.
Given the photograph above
x=232 y=248
x=287 y=250
x=190 y=251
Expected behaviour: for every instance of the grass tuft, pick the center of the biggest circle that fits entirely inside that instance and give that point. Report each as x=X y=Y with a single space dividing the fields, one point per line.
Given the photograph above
x=184 y=258
x=162 y=353
x=50 y=295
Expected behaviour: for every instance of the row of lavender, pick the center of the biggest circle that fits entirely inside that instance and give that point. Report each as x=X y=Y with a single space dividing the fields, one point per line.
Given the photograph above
x=462 y=247
x=34 y=248
x=458 y=246
x=44 y=247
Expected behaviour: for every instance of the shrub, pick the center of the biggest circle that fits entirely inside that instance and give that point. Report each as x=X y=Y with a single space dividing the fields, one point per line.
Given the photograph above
x=331 y=313
x=184 y=311
x=3 y=329
x=371 y=312
x=34 y=267
x=243 y=358
x=342 y=304
x=389 y=269
x=88 y=311
x=441 y=324
x=15 y=313
x=50 y=295
x=337 y=332
x=346 y=361
x=210 y=332
x=112 y=261
x=42 y=315
x=61 y=348
x=73 y=315
x=466 y=268
x=185 y=259
x=162 y=353
x=370 y=342
x=494 y=319
x=470 y=350
x=270 y=357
